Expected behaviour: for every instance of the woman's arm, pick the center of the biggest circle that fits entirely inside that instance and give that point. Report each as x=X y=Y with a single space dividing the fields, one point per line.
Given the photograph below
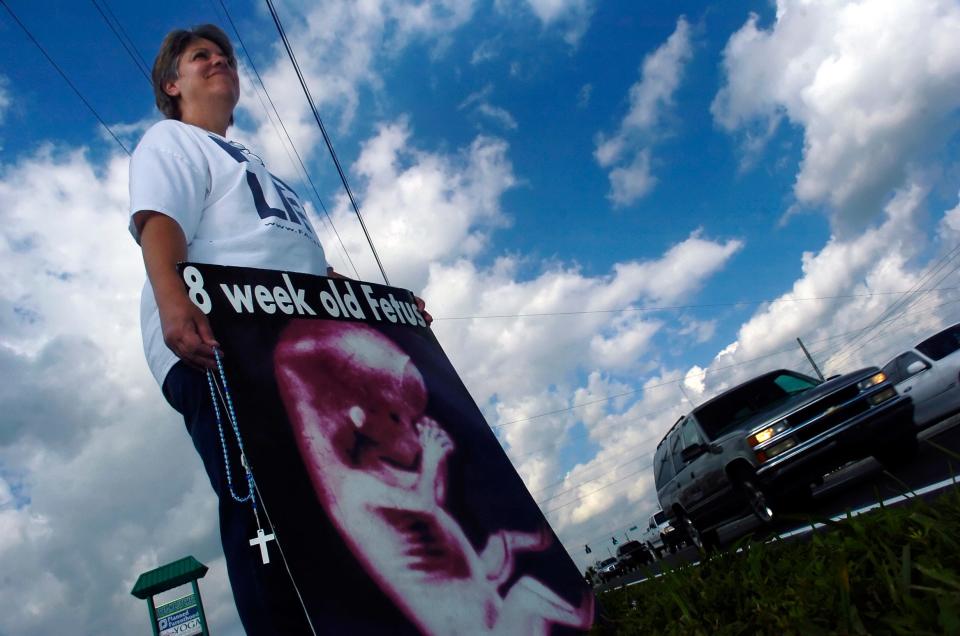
x=186 y=330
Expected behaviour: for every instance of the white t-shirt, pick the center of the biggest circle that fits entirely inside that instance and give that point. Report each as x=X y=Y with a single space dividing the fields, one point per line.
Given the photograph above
x=231 y=209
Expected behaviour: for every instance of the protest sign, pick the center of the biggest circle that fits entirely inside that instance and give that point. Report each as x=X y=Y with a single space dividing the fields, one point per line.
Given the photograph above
x=393 y=506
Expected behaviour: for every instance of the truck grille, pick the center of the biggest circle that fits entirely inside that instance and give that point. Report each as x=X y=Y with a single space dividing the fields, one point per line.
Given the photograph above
x=832 y=410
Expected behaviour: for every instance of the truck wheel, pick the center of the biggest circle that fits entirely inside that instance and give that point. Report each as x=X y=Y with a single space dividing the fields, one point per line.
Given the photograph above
x=756 y=499
x=899 y=453
x=693 y=534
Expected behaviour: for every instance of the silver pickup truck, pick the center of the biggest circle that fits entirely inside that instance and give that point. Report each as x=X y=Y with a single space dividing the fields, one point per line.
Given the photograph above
x=659 y=535
x=768 y=439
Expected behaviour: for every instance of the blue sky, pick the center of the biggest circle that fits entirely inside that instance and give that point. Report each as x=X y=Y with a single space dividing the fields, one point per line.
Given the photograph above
x=768 y=170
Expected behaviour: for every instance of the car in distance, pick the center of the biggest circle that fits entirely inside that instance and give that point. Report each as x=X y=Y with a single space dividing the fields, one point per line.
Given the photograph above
x=766 y=440
x=930 y=374
x=660 y=535
x=607 y=569
x=631 y=555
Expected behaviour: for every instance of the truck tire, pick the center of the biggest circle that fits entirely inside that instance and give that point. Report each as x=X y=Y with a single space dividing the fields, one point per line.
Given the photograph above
x=899 y=453
x=756 y=499
x=693 y=533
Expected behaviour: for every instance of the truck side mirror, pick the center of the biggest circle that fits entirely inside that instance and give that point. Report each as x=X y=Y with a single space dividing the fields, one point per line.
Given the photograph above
x=916 y=367
x=693 y=451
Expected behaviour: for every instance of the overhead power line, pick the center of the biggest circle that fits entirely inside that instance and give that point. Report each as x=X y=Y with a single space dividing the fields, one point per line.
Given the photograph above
x=134 y=55
x=326 y=137
x=593 y=479
x=677 y=381
x=649 y=439
x=273 y=106
x=63 y=75
x=908 y=302
x=852 y=346
x=670 y=307
x=604 y=487
x=607 y=472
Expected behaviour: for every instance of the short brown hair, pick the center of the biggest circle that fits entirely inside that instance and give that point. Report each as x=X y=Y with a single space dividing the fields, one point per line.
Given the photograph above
x=168 y=60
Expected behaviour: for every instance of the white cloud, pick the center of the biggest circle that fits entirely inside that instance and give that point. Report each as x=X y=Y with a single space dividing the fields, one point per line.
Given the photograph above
x=949 y=230
x=832 y=297
x=423 y=207
x=341 y=47
x=702 y=330
x=606 y=491
x=485 y=51
x=4 y=97
x=507 y=362
x=694 y=380
x=555 y=346
x=873 y=84
x=70 y=297
x=836 y=286
x=622 y=348
x=479 y=103
x=629 y=183
x=583 y=95
x=86 y=433
x=650 y=96
x=572 y=17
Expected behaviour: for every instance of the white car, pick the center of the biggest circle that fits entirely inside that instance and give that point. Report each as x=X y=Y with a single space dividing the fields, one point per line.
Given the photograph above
x=660 y=535
x=930 y=374
x=607 y=569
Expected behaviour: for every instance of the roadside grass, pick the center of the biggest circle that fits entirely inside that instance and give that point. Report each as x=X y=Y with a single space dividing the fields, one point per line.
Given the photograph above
x=890 y=571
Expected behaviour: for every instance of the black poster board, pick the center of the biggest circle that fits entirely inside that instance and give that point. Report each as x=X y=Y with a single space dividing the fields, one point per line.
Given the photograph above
x=396 y=509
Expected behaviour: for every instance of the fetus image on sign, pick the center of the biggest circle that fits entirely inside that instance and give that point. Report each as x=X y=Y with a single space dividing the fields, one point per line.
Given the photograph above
x=378 y=464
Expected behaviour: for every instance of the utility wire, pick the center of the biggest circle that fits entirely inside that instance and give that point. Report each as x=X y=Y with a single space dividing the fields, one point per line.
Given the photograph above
x=671 y=382
x=578 y=485
x=137 y=61
x=889 y=327
x=326 y=137
x=607 y=472
x=916 y=297
x=133 y=47
x=273 y=106
x=63 y=75
x=581 y=484
x=594 y=429
x=604 y=487
x=845 y=351
x=670 y=307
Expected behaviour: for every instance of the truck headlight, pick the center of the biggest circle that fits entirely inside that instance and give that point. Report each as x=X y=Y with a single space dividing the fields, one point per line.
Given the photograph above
x=882 y=396
x=785 y=445
x=873 y=380
x=761 y=436
x=776 y=449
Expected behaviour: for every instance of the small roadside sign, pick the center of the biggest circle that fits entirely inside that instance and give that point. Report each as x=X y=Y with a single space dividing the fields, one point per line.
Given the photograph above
x=180 y=617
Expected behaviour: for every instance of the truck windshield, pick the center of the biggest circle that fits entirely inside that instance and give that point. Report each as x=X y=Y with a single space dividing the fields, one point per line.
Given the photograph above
x=724 y=413
x=659 y=518
x=941 y=345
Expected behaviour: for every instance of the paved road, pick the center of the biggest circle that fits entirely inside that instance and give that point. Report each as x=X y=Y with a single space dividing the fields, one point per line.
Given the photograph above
x=850 y=489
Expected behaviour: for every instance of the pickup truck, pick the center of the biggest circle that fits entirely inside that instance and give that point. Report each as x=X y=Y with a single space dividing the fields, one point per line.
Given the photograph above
x=767 y=440
x=607 y=569
x=631 y=555
x=659 y=535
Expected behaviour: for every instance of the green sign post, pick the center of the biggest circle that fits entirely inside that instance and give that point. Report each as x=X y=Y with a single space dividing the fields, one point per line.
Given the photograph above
x=183 y=616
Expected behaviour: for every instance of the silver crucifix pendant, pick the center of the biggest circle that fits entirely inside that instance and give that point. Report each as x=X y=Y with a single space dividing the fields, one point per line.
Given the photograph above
x=261 y=540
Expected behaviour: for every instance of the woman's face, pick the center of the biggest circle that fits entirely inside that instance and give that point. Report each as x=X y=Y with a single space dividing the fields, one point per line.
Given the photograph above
x=206 y=77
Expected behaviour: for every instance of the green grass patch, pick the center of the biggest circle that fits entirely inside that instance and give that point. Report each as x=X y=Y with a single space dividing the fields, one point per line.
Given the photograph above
x=890 y=571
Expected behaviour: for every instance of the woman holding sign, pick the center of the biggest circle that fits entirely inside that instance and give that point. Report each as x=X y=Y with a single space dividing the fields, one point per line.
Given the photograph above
x=400 y=512
x=197 y=196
